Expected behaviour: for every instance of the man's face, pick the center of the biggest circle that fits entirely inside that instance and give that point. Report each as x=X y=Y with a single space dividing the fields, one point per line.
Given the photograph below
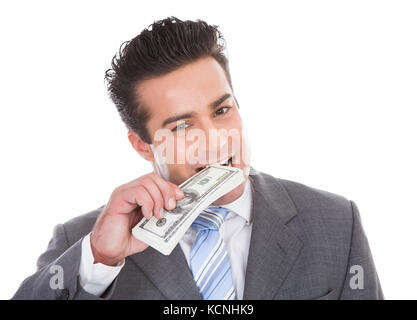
x=194 y=121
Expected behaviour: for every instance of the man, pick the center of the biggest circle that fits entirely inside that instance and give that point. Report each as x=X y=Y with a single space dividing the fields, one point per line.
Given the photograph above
x=273 y=238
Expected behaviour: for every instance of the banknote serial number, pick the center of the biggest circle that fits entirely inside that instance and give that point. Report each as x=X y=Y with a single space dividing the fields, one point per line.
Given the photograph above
x=210 y=309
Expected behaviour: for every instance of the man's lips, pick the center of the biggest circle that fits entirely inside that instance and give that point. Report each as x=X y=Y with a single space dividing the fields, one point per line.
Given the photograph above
x=225 y=162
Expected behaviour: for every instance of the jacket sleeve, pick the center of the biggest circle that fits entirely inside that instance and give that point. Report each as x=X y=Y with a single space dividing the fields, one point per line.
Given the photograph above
x=57 y=275
x=361 y=280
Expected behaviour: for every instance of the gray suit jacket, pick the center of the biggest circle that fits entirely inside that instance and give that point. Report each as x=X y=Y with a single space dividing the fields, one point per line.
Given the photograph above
x=306 y=244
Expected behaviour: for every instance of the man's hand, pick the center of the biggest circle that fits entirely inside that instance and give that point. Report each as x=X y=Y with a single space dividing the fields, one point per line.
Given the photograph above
x=111 y=238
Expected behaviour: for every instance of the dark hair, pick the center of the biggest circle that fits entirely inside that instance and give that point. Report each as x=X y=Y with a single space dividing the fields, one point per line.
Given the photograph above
x=164 y=46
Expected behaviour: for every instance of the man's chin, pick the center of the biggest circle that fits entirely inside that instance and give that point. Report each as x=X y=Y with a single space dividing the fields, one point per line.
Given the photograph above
x=230 y=196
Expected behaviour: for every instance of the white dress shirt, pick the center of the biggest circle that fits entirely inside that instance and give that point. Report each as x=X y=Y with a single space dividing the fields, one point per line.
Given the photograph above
x=235 y=231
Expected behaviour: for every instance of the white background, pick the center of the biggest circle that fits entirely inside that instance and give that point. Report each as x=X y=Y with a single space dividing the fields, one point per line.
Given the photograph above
x=327 y=89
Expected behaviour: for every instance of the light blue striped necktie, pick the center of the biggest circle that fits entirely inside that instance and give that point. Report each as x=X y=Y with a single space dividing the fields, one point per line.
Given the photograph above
x=209 y=261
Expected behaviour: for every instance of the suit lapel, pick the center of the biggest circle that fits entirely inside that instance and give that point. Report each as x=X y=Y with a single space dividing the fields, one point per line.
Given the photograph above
x=170 y=274
x=273 y=249
x=273 y=246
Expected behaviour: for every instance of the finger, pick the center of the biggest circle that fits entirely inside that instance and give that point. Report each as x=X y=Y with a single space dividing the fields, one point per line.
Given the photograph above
x=135 y=217
x=136 y=246
x=167 y=190
x=140 y=196
x=179 y=194
x=156 y=195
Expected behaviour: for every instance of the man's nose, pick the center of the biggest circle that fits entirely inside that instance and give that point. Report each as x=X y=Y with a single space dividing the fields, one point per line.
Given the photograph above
x=216 y=141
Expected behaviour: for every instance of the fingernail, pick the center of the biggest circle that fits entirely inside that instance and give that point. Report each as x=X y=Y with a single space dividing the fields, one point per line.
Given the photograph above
x=161 y=213
x=179 y=193
x=147 y=214
x=171 y=203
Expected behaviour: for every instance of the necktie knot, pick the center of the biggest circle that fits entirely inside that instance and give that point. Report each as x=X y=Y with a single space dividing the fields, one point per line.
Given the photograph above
x=210 y=218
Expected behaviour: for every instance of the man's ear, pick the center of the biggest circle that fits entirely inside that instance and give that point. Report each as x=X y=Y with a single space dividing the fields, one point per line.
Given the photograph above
x=141 y=147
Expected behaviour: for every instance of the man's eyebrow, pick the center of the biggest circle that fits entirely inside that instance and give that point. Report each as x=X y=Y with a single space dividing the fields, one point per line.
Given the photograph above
x=187 y=115
x=219 y=101
x=178 y=117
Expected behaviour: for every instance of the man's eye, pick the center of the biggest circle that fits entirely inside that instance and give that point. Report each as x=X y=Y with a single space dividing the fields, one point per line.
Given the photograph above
x=181 y=126
x=222 y=110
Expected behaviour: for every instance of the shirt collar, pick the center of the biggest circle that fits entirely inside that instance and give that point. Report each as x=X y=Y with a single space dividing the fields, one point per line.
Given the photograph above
x=242 y=206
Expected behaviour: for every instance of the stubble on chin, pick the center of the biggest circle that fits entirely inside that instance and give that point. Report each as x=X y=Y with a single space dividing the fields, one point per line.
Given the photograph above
x=230 y=196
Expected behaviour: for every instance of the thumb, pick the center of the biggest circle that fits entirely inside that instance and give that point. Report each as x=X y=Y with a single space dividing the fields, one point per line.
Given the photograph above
x=136 y=246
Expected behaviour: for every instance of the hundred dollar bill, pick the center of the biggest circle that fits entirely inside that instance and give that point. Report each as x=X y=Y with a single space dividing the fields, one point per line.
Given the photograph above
x=200 y=191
